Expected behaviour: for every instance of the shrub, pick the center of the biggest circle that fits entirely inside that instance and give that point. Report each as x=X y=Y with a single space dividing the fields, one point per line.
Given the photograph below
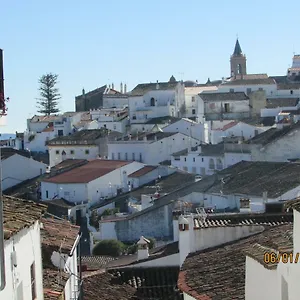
x=109 y=247
x=152 y=243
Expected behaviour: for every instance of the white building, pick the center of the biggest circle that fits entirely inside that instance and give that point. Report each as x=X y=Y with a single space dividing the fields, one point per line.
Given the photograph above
x=203 y=238
x=84 y=144
x=152 y=100
x=149 y=148
x=187 y=127
x=115 y=119
x=216 y=131
x=90 y=182
x=22 y=250
x=192 y=98
x=115 y=100
x=18 y=166
x=277 y=105
x=41 y=129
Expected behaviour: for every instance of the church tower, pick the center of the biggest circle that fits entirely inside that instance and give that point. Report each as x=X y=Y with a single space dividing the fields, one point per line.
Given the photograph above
x=238 y=64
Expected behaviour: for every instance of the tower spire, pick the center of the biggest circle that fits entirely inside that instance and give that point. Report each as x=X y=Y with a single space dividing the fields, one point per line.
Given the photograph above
x=237 y=49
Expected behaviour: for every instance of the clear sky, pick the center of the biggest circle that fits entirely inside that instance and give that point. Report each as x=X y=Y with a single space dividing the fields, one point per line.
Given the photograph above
x=95 y=42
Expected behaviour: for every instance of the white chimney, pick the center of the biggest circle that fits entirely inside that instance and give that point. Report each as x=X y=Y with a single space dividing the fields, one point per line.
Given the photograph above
x=157 y=85
x=245 y=205
x=265 y=196
x=155 y=138
x=125 y=88
x=185 y=226
x=121 y=88
x=143 y=248
x=112 y=86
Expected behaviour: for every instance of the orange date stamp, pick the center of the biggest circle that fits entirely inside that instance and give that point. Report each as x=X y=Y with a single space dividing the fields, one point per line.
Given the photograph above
x=284 y=257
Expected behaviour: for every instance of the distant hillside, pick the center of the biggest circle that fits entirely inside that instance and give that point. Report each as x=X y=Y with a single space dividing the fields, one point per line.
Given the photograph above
x=7 y=136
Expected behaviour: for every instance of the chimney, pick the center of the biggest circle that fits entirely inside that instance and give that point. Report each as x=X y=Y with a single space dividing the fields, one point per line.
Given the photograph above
x=245 y=205
x=157 y=85
x=265 y=197
x=125 y=88
x=155 y=138
x=143 y=248
x=185 y=227
x=112 y=86
x=145 y=138
x=109 y=86
x=121 y=88
x=83 y=92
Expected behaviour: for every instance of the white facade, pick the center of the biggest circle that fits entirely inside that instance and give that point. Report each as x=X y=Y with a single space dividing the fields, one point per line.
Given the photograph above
x=117 y=100
x=18 y=168
x=273 y=112
x=36 y=141
x=187 y=127
x=93 y=191
x=216 y=131
x=150 y=152
x=58 y=153
x=25 y=247
x=156 y=103
x=112 y=119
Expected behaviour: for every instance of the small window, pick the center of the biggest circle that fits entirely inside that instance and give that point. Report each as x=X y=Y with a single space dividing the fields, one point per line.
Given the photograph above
x=126 y=156
x=57 y=152
x=87 y=151
x=119 y=156
x=33 y=281
x=133 y=156
x=292 y=92
x=60 y=132
x=47 y=194
x=193 y=111
x=226 y=107
x=115 y=126
x=194 y=159
x=202 y=159
x=193 y=99
x=72 y=152
x=185 y=159
x=134 y=117
x=152 y=102
x=260 y=89
x=231 y=90
x=141 y=157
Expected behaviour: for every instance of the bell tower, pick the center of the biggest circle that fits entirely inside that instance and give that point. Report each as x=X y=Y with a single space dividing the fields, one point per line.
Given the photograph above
x=238 y=66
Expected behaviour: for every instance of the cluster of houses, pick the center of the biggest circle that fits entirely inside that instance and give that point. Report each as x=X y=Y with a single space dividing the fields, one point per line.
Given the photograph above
x=210 y=171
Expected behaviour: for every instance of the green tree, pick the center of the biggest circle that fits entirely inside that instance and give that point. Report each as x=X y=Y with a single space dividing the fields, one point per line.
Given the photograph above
x=109 y=247
x=49 y=94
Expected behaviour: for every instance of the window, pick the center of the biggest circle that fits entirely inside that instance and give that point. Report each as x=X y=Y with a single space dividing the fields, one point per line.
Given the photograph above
x=60 y=132
x=152 y=102
x=115 y=126
x=231 y=90
x=185 y=159
x=47 y=194
x=211 y=164
x=119 y=156
x=87 y=151
x=249 y=91
x=219 y=164
x=193 y=99
x=112 y=156
x=226 y=107
x=33 y=281
x=126 y=156
x=104 y=125
x=202 y=159
x=133 y=156
x=72 y=152
x=57 y=152
x=194 y=159
x=141 y=157
x=193 y=111
x=292 y=92
x=260 y=89
x=134 y=117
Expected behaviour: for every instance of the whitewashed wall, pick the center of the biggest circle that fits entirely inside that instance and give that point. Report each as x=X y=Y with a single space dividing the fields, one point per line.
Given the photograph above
x=166 y=261
x=27 y=245
x=18 y=168
x=38 y=144
x=270 y=89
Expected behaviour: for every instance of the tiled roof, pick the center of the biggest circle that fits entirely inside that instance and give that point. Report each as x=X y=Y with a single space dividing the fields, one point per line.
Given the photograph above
x=82 y=137
x=294 y=204
x=288 y=86
x=45 y=119
x=181 y=153
x=68 y=163
x=96 y=262
x=238 y=96
x=59 y=234
x=60 y=202
x=54 y=282
x=105 y=286
x=19 y=214
x=88 y=172
x=219 y=272
x=237 y=49
x=8 y=152
x=212 y=150
x=143 y=171
x=272 y=134
x=255 y=178
x=99 y=90
x=251 y=79
x=241 y=219
x=282 y=102
x=143 y=88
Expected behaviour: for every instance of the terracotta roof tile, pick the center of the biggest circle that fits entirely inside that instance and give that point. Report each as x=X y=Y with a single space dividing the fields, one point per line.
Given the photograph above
x=95 y=262
x=19 y=214
x=58 y=234
x=88 y=172
x=219 y=272
x=105 y=286
x=142 y=171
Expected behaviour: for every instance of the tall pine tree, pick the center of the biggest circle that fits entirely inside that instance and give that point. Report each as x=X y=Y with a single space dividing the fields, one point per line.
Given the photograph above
x=49 y=94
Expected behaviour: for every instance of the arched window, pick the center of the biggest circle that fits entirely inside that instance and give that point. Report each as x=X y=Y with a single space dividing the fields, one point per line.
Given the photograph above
x=211 y=164
x=239 y=69
x=219 y=164
x=152 y=102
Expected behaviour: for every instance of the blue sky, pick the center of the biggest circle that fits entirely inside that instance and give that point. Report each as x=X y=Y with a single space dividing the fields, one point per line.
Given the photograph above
x=94 y=42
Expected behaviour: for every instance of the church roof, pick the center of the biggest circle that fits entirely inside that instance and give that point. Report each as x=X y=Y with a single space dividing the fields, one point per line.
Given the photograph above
x=237 y=49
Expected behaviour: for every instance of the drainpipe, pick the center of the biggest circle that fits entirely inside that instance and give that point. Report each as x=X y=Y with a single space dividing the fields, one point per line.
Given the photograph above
x=2 y=255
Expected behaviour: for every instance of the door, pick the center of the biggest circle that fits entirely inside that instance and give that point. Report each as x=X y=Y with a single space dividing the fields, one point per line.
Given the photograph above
x=78 y=217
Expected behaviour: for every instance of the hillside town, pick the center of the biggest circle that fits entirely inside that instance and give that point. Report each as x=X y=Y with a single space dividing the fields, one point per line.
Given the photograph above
x=172 y=190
